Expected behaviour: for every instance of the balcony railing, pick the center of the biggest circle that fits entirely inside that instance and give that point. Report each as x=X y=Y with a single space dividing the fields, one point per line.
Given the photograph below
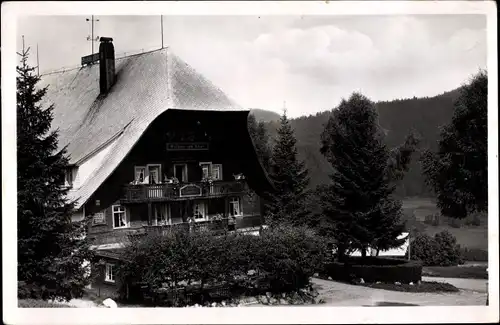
x=166 y=192
x=214 y=226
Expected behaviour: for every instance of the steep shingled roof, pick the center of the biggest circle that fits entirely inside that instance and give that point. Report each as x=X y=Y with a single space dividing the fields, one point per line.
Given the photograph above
x=147 y=85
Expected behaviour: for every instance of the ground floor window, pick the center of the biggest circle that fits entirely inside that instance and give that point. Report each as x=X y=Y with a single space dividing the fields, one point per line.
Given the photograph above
x=235 y=206
x=110 y=273
x=199 y=211
x=119 y=217
x=161 y=214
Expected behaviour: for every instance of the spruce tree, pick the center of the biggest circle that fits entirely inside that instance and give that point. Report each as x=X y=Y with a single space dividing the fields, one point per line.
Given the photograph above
x=51 y=248
x=260 y=138
x=458 y=172
x=358 y=205
x=289 y=176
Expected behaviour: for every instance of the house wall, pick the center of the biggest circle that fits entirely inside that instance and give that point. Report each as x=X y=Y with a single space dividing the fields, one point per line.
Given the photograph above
x=226 y=147
x=101 y=287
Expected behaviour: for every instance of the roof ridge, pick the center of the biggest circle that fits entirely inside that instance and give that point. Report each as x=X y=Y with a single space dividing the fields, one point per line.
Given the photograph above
x=77 y=67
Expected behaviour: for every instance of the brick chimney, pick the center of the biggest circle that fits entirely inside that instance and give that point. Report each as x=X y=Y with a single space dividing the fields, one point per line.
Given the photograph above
x=106 y=64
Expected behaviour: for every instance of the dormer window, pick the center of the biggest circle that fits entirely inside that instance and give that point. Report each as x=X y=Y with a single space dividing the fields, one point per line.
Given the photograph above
x=70 y=176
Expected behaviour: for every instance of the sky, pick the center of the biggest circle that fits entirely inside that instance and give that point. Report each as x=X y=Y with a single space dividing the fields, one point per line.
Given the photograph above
x=306 y=63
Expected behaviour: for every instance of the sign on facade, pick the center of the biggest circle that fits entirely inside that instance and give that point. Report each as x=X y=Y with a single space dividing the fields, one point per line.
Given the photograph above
x=190 y=190
x=89 y=59
x=179 y=146
x=99 y=218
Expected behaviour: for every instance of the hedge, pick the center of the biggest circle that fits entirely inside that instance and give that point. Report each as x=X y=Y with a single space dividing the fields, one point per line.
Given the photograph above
x=440 y=250
x=185 y=268
x=375 y=269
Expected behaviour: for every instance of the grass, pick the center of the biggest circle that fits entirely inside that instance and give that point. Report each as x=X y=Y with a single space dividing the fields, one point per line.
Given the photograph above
x=37 y=303
x=422 y=287
x=463 y=272
x=467 y=236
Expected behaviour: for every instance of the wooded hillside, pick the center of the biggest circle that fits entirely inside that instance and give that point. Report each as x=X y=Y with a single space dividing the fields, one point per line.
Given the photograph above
x=397 y=117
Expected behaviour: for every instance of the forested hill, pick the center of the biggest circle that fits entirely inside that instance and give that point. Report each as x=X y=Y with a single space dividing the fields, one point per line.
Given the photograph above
x=264 y=115
x=397 y=117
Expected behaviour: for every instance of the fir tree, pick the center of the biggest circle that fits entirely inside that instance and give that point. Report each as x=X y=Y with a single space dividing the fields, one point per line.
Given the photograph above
x=51 y=248
x=260 y=138
x=358 y=206
x=289 y=176
x=458 y=172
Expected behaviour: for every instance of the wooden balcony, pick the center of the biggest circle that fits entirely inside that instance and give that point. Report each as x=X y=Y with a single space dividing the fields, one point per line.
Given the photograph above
x=214 y=226
x=184 y=191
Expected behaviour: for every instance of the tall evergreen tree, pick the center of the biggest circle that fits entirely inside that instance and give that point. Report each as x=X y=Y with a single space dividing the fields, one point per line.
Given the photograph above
x=260 y=138
x=358 y=205
x=51 y=248
x=458 y=172
x=289 y=176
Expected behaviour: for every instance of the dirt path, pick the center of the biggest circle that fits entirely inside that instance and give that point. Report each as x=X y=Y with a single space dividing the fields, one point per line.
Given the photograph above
x=341 y=294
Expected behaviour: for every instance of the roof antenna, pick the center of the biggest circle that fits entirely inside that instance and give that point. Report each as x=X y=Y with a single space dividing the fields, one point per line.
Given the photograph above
x=37 y=62
x=161 y=31
x=92 y=39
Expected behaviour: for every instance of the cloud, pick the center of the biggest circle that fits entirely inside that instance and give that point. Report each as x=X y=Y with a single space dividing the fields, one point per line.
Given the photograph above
x=311 y=62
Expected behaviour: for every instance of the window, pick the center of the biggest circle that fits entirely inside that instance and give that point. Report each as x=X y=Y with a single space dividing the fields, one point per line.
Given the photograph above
x=217 y=172
x=154 y=174
x=119 y=217
x=205 y=169
x=140 y=174
x=69 y=176
x=180 y=172
x=234 y=207
x=199 y=211
x=160 y=213
x=110 y=274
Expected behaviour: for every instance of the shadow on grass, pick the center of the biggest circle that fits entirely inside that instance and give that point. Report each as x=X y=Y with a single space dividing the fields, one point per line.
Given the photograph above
x=389 y=303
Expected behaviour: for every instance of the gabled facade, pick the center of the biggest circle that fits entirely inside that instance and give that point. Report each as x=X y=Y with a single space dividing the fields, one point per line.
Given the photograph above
x=153 y=145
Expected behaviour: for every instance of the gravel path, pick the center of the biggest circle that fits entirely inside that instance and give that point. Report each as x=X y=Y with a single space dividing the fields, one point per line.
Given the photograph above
x=341 y=294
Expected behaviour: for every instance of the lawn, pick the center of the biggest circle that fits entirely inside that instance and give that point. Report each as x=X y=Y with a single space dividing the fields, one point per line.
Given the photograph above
x=470 y=237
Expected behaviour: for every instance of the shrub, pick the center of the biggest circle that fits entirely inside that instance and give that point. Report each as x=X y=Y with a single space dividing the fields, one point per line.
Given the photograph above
x=474 y=254
x=181 y=268
x=37 y=303
x=475 y=221
x=376 y=269
x=455 y=223
x=442 y=250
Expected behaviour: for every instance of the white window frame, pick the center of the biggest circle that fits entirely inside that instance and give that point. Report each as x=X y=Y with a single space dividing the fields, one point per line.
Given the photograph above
x=149 y=176
x=70 y=176
x=116 y=212
x=185 y=172
x=233 y=200
x=204 y=210
x=219 y=167
x=207 y=165
x=109 y=274
x=136 y=169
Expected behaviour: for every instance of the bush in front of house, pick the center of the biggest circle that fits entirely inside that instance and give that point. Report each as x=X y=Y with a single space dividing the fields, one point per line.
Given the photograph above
x=375 y=269
x=38 y=303
x=440 y=250
x=180 y=268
